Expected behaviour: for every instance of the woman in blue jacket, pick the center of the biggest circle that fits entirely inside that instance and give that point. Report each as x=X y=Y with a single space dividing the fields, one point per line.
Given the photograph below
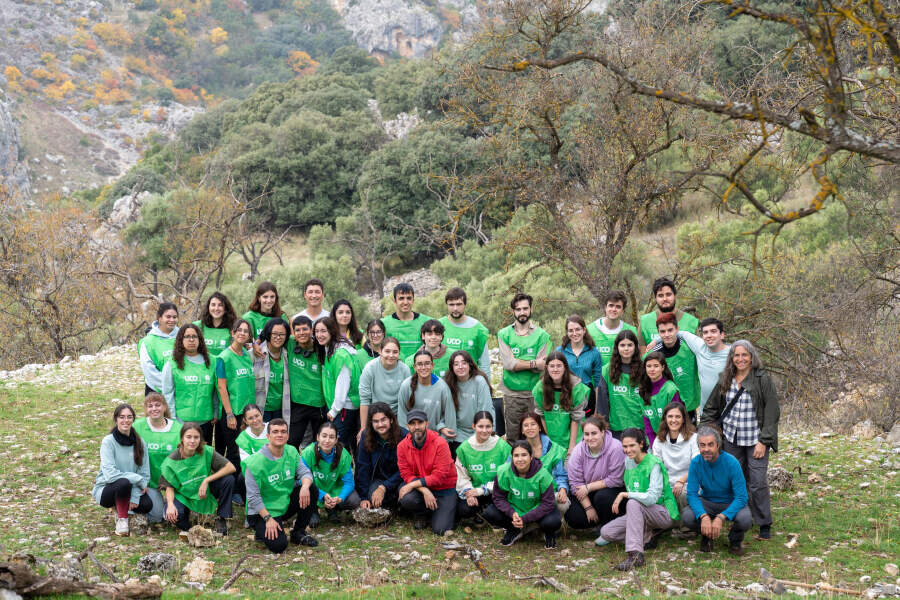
x=584 y=360
x=377 y=475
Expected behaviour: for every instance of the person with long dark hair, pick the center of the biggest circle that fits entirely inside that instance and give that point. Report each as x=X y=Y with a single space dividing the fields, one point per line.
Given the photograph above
x=266 y=305
x=254 y=434
x=583 y=358
x=189 y=381
x=235 y=382
x=124 y=470
x=215 y=322
x=270 y=370
x=371 y=348
x=657 y=390
x=342 y=312
x=477 y=461
x=377 y=474
x=620 y=384
x=381 y=379
x=155 y=348
x=340 y=379
x=470 y=389
x=161 y=434
x=676 y=446
x=552 y=456
x=561 y=399
x=595 y=470
x=427 y=392
x=332 y=469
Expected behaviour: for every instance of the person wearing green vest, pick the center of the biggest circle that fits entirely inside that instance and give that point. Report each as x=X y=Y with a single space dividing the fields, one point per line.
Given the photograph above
x=657 y=390
x=194 y=477
x=523 y=494
x=266 y=305
x=561 y=399
x=342 y=312
x=332 y=470
x=552 y=456
x=155 y=348
x=371 y=348
x=305 y=381
x=471 y=392
x=380 y=380
x=235 y=382
x=189 y=381
x=477 y=461
x=425 y=391
x=621 y=376
x=215 y=322
x=279 y=486
x=432 y=334
x=161 y=433
x=523 y=349
x=462 y=332
x=254 y=435
x=271 y=372
x=664 y=292
x=605 y=329
x=340 y=380
x=648 y=503
x=681 y=361
x=404 y=324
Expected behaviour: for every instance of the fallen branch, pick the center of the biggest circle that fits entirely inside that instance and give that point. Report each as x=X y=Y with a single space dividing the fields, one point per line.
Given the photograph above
x=544 y=580
x=103 y=569
x=236 y=572
x=778 y=585
x=21 y=579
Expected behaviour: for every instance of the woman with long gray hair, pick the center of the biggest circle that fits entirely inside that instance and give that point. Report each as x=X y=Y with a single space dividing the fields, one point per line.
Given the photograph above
x=744 y=404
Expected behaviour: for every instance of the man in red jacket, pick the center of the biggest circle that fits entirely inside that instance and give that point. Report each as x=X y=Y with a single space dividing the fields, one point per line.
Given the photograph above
x=426 y=466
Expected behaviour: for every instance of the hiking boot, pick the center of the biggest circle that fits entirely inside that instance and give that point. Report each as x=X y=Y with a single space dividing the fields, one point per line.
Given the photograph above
x=549 y=541
x=221 y=526
x=300 y=538
x=765 y=533
x=478 y=520
x=634 y=559
x=737 y=549
x=122 y=526
x=511 y=537
x=314 y=520
x=706 y=544
x=420 y=524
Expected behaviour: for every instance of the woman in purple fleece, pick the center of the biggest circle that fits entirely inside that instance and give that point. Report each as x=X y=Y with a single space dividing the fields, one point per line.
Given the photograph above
x=596 y=470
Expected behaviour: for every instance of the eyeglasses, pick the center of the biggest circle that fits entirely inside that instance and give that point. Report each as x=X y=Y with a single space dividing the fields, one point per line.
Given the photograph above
x=278 y=335
x=192 y=337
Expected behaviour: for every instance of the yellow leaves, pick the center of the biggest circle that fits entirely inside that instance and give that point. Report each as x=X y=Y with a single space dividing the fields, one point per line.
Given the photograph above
x=221 y=50
x=12 y=73
x=218 y=36
x=113 y=34
x=78 y=61
x=48 y=58
x=521 y=65
x=42 y=74
x=177 y=19
x=301 y=62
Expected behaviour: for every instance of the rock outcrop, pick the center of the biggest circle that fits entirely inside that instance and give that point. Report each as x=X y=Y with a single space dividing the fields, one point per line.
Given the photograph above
x=13 y=173
x=384 y=27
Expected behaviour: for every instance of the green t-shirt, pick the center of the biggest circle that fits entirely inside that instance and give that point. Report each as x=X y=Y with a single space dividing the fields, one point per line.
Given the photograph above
x=482 y=465
x=470 y=339
x=258 y=321
x=604 y=342
x=558 y=420
x=523 y=348
x=626 y=408
x=275 y=389
x=195 y=387
x=441 y=364
x=685 y=375
x=239 y=379
x=304 y=377
x=523 y=494
x=160 y=444
x=653 y=411
x=328 y=480
x=274 y=478
x=186 y=475
x=406 y=332
x=216 y=338
x=332 y=368
x=687 y=322
x=638 y=480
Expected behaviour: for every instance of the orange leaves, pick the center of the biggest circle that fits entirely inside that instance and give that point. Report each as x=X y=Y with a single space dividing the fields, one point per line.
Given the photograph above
x=185 y=96
x=113 y=34
x=301 y=62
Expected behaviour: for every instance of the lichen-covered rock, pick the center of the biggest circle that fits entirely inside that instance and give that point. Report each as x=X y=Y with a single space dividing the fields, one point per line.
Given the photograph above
x=371 y=517
x=156 y=561
x=780 y=479
x=68 y=567
x=13 y=173
x=199 y=570
x=199 y=537
x=388 y=26
x=138 y=524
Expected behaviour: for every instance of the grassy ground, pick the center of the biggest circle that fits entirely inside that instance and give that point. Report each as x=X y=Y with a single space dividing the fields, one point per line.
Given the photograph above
x=49 y=436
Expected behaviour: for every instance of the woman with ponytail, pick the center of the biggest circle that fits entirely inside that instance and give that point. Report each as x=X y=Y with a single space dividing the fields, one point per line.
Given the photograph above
x=332 y=470
x=427 y=392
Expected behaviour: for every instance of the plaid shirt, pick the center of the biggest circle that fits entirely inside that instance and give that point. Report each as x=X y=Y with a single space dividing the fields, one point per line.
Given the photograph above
x=740 y=426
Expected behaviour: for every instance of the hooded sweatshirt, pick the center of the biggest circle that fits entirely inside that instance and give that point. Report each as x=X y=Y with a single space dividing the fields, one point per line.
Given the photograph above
x=155 y=349
x=608 y=465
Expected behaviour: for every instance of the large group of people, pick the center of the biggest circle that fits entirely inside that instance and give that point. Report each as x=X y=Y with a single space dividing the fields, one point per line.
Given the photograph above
x=627 y=431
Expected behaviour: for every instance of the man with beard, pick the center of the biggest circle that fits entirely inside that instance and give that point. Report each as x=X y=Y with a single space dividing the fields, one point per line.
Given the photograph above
x=462 y=332
x=664 y=292
x=523 y=350
x=425 y=464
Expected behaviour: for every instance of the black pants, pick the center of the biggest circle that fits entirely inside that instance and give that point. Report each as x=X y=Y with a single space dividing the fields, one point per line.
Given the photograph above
x=302 y=417
x=120 y=489
x=221 y=489
x=602 y=501
x=347 y=423
x=464 y=511
x=441 y=518
x=549 y=523
x=225 y=440
x=207 y=430
x=280 y=543
x=453 y=447
x=390 y=497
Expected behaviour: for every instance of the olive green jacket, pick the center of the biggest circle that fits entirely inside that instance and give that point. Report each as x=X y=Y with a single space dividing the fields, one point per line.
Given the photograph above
x=765 y=402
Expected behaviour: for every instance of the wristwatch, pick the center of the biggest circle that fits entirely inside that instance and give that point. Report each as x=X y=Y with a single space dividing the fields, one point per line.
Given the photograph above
x=266 y=518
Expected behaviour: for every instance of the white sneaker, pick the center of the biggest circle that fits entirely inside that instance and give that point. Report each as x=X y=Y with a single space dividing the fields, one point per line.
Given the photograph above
x=600 y=541
x=122 y=526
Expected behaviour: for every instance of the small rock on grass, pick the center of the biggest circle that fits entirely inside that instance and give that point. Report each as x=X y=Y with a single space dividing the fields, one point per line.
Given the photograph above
x=891 y=569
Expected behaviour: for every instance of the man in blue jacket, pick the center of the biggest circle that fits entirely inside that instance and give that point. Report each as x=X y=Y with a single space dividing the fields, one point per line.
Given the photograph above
x=377 y=475
x=724 y=495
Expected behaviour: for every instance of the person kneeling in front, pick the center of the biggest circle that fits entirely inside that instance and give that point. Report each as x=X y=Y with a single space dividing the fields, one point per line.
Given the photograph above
x=279 y=486
x=723 y=497
x=426 y=466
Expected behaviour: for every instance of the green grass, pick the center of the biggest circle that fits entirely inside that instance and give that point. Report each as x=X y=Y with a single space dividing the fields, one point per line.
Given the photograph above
x=46 y=510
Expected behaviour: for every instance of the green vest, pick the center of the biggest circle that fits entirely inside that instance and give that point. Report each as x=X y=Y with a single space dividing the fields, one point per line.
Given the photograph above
x=159 y=349
x=194 y=388
x=470 y=339
x=186 y=475
x=523 y=348
x=482 y=465
x=558 y=420
x=653 y=411
x=684 y=373
x=524 y=495
x=688 y=322
x=332 y=368
x=604 y=342
x=274 y=478
x=160 y=444
x=555 y=455
x=441 y=365
x=638 y=480
x=239 y=380
x=625 y=403
x=305 y=377
x=250 y=445
x=216 y=338
x=275 y=389
x=258 y=321
x=362 y=357
x=328 y=480
x=406 y=332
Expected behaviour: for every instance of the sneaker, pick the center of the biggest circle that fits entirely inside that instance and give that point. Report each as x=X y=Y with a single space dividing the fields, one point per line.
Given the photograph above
x=122 y=526
x=511 y=536
x=765 y=532
x=706 y=544
x=300 y=538
x=634 y=559
x=314 y=520
x=737 y=549
x=600 y=541
x=654 y=541
x=221 y=526
x=549 y=541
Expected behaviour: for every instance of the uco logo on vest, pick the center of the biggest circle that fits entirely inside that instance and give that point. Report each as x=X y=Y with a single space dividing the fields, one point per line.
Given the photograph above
x=241 y=372
x=477 y=468
x=453 y=341
x=274 y=477
x=192 y=379
x=621 y=389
